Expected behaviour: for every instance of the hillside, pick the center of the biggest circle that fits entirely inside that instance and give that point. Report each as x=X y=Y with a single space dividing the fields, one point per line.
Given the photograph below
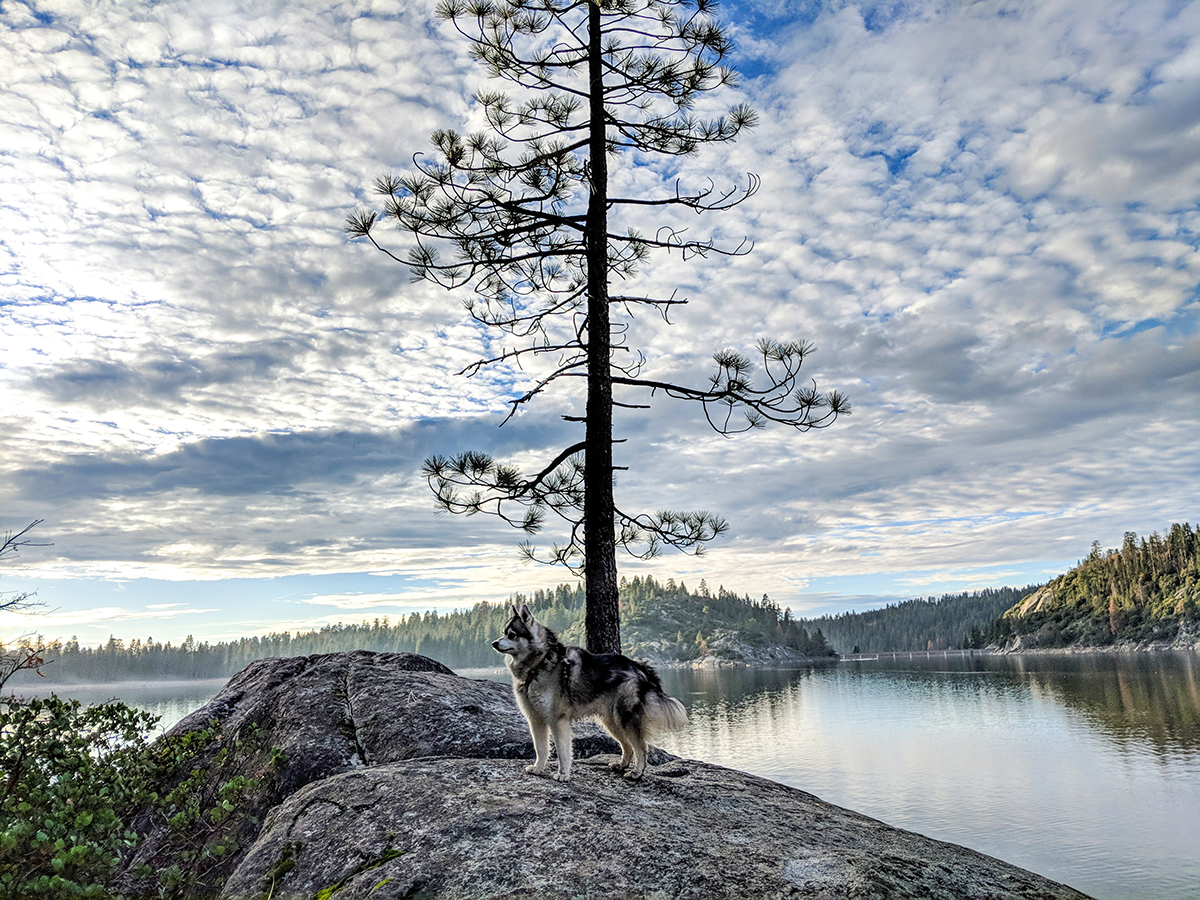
x=949 y=621
x=1148 y=590
x=669 y=622
x=665 y=622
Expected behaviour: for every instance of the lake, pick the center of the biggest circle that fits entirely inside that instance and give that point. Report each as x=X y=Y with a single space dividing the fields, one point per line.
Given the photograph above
x=1085 y=769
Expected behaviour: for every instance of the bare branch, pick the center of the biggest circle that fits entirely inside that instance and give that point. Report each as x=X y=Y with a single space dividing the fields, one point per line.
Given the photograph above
x=27 y=656
x=10 y=546
x=14 y=541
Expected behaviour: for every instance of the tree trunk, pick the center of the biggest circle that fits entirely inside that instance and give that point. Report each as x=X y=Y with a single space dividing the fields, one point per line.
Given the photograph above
x=602 y=619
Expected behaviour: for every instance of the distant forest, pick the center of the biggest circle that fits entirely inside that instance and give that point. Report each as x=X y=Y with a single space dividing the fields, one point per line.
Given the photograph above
x=661 y=620
x=952 y=621
x=1147 y=590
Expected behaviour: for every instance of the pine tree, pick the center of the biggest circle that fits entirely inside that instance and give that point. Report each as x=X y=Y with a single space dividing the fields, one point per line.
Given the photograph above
x=523 y=217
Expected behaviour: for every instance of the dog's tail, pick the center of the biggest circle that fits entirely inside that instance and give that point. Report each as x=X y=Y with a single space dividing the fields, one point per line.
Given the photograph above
x=663 y=713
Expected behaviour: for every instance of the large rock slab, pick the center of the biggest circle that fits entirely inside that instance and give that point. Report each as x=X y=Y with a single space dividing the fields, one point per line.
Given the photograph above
x=462 y=829
x=337 y=711
x=386 y=775
x=286 y=723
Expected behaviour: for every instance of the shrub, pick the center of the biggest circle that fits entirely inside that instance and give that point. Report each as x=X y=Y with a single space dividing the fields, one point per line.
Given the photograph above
x=72 y=776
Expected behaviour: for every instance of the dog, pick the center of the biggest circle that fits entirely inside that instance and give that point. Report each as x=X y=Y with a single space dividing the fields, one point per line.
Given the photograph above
x=554 y=685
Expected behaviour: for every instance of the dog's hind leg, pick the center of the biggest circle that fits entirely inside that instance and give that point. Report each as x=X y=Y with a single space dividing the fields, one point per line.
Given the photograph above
x=562 y=743
x=541 y=746
x=634 y=772
x=626 y=746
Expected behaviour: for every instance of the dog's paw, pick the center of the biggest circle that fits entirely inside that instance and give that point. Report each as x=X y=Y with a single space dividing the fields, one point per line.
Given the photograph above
x=559 y=776
x=618 y=766
x=633 y=775
x=535 y=770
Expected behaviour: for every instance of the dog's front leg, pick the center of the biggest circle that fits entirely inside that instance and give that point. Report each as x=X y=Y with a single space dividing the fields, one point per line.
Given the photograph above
x=562 y=743
x=541 y=746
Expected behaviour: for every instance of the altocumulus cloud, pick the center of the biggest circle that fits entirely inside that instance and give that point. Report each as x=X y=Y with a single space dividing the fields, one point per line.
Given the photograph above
x=1010 y=302
x=985 y=215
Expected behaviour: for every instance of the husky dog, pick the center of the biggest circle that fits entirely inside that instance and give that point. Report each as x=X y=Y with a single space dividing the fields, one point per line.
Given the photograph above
x=556 y=685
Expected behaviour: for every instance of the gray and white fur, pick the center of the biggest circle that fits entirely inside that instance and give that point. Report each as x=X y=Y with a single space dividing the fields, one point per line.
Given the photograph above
x=555 y=685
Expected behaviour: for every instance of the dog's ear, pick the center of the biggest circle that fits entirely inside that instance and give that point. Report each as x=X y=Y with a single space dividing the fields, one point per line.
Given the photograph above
x=516 y=612
x=526 y=614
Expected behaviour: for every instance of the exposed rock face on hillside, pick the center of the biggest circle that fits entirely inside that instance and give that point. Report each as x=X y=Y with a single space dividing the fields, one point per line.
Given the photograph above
x=1035 y=602
x=385 y=775
x=731 y=648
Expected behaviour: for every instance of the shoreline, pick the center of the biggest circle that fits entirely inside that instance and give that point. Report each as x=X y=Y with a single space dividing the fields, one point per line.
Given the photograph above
x=1188 y=644
x=43 y=687
x=712 y=662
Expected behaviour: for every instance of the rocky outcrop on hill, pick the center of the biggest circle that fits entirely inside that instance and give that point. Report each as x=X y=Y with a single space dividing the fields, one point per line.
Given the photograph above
x=731 y=648
x=725 y=648
x=385 y=775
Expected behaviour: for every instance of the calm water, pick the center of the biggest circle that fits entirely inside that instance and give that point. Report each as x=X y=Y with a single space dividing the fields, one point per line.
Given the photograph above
x=169 y=700
x=1085 y=769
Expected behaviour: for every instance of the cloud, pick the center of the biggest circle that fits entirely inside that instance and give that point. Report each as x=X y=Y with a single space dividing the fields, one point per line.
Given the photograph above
x=367 y=601
x=160 y=382
x=265 y=464
x=62 y=621
x=265 y=504
x=446 y=590
x=985 y=215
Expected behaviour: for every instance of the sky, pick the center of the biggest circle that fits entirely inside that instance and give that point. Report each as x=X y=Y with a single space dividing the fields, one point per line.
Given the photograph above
x=985 y=215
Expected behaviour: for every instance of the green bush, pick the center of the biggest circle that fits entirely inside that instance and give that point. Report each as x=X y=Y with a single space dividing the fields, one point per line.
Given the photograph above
x=72 y=777
x=75 y=778
x=207 y=789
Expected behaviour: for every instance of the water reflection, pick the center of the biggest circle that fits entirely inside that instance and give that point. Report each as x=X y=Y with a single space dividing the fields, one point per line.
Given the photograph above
x=1032 y=759
x=1143 y=701
x=1140 y=701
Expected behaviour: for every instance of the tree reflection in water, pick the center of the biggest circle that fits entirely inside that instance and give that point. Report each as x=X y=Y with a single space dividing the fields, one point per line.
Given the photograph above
x=1142 y=701
x=1035 y=759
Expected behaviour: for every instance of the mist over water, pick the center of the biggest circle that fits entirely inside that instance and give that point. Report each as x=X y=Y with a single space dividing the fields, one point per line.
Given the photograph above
x=169 y=700
x=1085 y=769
